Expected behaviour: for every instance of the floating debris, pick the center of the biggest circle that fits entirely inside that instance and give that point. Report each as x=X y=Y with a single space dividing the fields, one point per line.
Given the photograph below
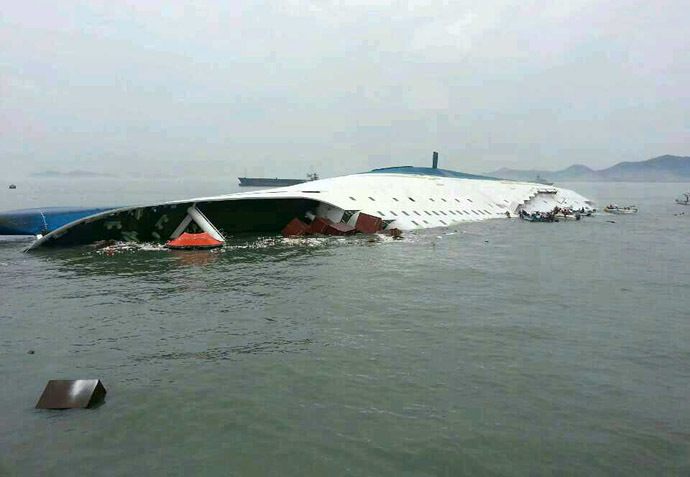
x=319 y=226
x=71 y=393
x=340 y=229
x=365 y=224
x=368 y=224
x=295 y=227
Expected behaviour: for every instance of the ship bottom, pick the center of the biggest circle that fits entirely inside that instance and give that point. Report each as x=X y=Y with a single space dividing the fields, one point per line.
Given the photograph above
x=157 y=223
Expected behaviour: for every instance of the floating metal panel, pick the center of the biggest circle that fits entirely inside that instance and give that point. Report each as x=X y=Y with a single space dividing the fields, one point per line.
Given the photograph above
x=71 y=393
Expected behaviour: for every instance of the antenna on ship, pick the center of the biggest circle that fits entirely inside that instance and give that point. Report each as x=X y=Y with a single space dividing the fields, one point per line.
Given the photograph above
x=434 y=163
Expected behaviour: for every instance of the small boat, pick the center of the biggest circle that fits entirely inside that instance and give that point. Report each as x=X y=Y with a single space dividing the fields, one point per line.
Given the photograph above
x=684 y=199
x=13 y=186
x=615 y=209
x=567 y=213
x=537 y=216
x=541 y=180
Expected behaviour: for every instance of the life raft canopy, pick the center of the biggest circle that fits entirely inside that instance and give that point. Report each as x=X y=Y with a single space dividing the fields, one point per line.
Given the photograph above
x=188 y=241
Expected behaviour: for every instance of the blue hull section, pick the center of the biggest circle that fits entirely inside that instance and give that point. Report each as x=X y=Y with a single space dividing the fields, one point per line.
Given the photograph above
x=42 y=220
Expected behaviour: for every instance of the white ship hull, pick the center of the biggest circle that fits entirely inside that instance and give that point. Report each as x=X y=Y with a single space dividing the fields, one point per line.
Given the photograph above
x=405 y=198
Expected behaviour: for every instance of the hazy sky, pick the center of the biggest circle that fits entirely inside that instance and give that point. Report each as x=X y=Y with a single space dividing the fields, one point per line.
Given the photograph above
x=277 y=87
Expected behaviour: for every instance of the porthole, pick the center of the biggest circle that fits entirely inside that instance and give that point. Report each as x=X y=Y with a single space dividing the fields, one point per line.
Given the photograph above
x=442 y=212
x=443 y=222
x=417 y=213
x=451 y=212
x=427 y=212
x=395 y=199
x=352 y=198
x=432 y=200
x=372 y=199
x=415 y=223
x=425 y=222
x=457 y=200
x=394 y=213
x=411 y=199
x=475 y=212
x=405 y=213
x=380 y=213
x=444 y=200
x=435 y=213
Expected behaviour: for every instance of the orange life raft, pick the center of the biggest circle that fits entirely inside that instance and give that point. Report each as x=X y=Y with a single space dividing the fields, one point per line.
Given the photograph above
x=194 y=241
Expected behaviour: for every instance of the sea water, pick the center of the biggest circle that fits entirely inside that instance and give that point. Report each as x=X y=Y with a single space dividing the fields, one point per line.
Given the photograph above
x=494 y=348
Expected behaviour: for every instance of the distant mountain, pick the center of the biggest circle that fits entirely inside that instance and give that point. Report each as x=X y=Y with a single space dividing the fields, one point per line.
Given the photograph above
x=71 y=174
x=660 y=169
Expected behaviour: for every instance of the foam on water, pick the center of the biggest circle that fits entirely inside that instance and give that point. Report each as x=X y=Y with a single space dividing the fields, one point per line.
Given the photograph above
x=254 y=243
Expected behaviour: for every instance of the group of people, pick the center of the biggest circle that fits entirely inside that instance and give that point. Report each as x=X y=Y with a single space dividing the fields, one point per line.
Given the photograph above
x=551 y=216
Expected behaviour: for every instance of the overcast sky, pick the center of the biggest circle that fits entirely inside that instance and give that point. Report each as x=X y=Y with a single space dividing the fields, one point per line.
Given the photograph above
x=278 y=87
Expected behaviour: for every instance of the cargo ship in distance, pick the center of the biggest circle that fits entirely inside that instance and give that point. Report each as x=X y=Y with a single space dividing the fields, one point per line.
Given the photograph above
x=270 y=182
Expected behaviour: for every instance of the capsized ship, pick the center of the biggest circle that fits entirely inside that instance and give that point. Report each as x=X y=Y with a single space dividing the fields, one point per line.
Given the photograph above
x=405 y=198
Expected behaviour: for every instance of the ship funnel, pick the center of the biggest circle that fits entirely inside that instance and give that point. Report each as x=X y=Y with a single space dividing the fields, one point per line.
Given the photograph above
x=435 y=161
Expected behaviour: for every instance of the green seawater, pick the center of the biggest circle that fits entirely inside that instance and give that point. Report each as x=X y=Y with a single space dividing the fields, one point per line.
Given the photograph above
x=494 y=348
